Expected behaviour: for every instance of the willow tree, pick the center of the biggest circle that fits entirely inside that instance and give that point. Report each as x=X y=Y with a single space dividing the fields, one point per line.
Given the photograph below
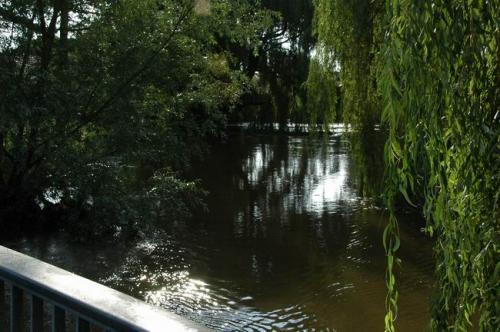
x=432 y=68
x=323 y=91
x=441 y=88
x=278 y=65
x=347 y=34
x=347 y=51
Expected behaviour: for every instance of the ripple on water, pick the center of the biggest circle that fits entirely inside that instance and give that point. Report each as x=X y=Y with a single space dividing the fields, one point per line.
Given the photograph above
x=169 y=283
x=287 y=245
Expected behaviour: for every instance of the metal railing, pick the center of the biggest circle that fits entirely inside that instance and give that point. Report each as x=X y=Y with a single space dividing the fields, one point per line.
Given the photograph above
x=32 y=287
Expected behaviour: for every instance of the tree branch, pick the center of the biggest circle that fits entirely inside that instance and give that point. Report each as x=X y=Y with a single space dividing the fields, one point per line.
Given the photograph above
x=41 y=14
x=122 y=87
x=21 y=20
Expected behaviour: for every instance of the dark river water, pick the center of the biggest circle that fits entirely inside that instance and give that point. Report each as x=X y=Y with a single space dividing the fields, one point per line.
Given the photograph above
x=287 y=245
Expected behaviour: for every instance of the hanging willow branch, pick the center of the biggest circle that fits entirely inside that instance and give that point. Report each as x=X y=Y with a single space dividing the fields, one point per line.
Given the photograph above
x=435 y=66
x=440 y=83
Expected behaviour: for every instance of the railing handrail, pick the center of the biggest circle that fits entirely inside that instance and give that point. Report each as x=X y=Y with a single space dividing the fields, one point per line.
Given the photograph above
x=95 y=302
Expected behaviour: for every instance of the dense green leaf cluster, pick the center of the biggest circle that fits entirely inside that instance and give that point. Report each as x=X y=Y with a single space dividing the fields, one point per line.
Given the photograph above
x=432 y=68
x=441 y=84
x=323 y=92
x=342 y=80
x=277 y=64
x=101 y=97
x=348 y=40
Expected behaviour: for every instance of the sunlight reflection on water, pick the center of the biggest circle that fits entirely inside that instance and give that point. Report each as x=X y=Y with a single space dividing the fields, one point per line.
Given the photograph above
x=288 y=244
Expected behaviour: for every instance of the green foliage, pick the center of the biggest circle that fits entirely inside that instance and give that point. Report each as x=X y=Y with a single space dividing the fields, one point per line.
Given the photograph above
x=277 y=64
x=432 y=68
x=322 y=95
x=342 y=81
x=440 y=83
x=348 y=42
x=99 y=93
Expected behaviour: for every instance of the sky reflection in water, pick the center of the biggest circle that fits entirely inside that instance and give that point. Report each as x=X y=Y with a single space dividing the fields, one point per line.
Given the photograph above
x=287 y=245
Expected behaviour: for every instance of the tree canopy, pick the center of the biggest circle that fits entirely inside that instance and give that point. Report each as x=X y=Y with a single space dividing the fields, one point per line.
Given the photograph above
x=97 y=92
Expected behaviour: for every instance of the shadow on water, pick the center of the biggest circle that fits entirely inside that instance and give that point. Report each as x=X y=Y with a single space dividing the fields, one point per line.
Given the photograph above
x=287 y=244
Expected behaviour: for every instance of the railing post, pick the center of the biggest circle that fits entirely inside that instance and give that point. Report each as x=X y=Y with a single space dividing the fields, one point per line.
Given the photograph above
x=36 y=314
x=83 y=325
x=3 y=316
x=58 y=319
x=16 y=309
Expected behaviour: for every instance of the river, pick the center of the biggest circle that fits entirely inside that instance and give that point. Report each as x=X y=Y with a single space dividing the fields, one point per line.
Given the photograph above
x=287 y=244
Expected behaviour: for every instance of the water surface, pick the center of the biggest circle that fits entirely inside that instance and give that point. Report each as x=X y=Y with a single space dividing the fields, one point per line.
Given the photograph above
x=288 y=244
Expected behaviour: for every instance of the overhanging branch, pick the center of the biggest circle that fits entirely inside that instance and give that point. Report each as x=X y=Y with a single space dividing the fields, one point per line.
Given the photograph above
x=21 y=20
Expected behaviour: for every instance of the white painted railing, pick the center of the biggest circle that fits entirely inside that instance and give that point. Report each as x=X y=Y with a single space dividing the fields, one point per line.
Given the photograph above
x=64 y=293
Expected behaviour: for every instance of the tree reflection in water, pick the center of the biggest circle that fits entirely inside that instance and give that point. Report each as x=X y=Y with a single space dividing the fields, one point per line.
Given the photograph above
x=288 y=243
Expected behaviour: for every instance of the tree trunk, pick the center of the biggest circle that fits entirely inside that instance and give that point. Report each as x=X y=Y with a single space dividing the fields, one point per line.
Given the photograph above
x=63 y=32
